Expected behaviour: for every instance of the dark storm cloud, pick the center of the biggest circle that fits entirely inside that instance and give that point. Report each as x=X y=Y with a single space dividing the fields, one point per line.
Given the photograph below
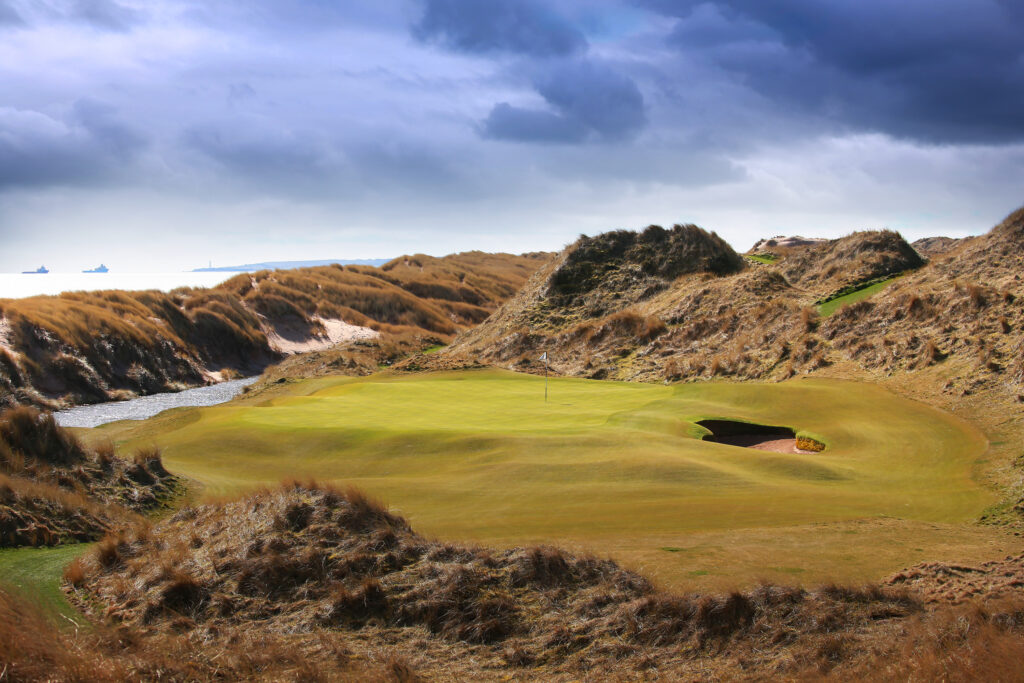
x=106 y=129
x=103 y=13
x=8 y=15
x=589 y=100
x=514 y=26
x=597 y=96
x=506 y=122
x=936 y=70
x=88 y=147
x=381 y=117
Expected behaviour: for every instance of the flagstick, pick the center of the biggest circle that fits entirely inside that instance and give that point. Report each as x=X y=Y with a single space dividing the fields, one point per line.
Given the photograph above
x=545 y=376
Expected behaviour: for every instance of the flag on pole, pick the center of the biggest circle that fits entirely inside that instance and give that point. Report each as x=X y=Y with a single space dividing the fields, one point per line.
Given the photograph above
x=545 y=359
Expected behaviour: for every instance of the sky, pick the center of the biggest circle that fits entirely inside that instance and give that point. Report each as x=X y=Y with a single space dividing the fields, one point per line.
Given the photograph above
x=163 y=134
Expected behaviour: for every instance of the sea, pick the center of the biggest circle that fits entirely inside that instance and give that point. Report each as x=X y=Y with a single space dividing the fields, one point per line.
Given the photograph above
x=19 y=285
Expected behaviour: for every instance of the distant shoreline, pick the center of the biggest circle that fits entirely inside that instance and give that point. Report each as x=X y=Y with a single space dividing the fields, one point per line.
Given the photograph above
x=285 y=265
x=20 y=286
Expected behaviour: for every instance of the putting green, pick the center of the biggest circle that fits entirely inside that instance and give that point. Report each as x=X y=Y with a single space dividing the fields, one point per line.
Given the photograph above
x=610 y=467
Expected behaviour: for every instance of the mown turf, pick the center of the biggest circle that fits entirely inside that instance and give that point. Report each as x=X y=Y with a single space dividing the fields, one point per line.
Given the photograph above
x=610 y=467
x=829 y=307
x=35 y=574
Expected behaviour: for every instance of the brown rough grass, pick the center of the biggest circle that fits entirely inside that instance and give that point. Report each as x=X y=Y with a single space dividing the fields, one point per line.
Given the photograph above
x=327 y=570
x=53 y=489
x=960 y=312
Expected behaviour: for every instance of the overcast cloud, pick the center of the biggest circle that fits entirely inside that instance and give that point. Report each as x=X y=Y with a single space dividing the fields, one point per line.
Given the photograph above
x=161 y=134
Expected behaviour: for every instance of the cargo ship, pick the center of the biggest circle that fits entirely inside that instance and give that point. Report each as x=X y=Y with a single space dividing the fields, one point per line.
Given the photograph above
x=100 y=269
x=41 y=270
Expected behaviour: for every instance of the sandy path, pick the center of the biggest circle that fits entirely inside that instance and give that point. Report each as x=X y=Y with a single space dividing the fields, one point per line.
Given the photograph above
x=760 y=443
x=338 y=332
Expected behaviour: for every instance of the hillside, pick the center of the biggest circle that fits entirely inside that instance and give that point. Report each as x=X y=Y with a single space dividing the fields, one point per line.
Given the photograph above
x=88 y=347
x=736 y=318
x=930 y=247
x=771 y=320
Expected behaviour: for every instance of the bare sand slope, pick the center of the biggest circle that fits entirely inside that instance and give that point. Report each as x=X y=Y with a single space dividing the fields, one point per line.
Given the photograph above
x=337 y=332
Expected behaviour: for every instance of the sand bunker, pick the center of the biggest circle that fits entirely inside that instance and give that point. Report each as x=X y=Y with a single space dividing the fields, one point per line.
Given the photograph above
x=748 y=435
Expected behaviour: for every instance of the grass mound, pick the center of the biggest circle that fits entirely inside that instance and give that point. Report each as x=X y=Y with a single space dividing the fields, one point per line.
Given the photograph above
x=35 y=649
x=309 y=557
x=315 y=566
x=649 y=260
x=680 y=304
x=845 y=263
x=55 y=490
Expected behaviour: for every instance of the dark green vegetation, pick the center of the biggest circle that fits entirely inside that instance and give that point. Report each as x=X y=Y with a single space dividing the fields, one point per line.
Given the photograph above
x=647 y=260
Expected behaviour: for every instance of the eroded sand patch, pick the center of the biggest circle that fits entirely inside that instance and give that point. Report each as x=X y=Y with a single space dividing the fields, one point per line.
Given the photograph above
x=335 y=332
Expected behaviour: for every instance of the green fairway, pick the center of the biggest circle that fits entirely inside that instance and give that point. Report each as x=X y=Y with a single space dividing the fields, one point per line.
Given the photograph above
x=36 y=574
x=829 y=307
x=615 y=468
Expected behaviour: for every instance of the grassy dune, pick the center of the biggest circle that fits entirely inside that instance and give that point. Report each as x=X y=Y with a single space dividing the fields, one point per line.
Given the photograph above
x=612 y=468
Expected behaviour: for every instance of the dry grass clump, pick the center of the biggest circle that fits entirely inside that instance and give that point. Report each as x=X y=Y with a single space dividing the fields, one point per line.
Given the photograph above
x=52 y=489
x=29 y=435
x=35 y=649
x=806 y=443
x=809 y=319
x=620 y=328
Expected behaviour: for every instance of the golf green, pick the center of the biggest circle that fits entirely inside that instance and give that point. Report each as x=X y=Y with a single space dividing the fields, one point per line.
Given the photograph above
x=608 y=467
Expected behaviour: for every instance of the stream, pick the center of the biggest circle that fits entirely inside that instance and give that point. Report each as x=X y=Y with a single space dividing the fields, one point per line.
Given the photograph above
x=147 y=406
